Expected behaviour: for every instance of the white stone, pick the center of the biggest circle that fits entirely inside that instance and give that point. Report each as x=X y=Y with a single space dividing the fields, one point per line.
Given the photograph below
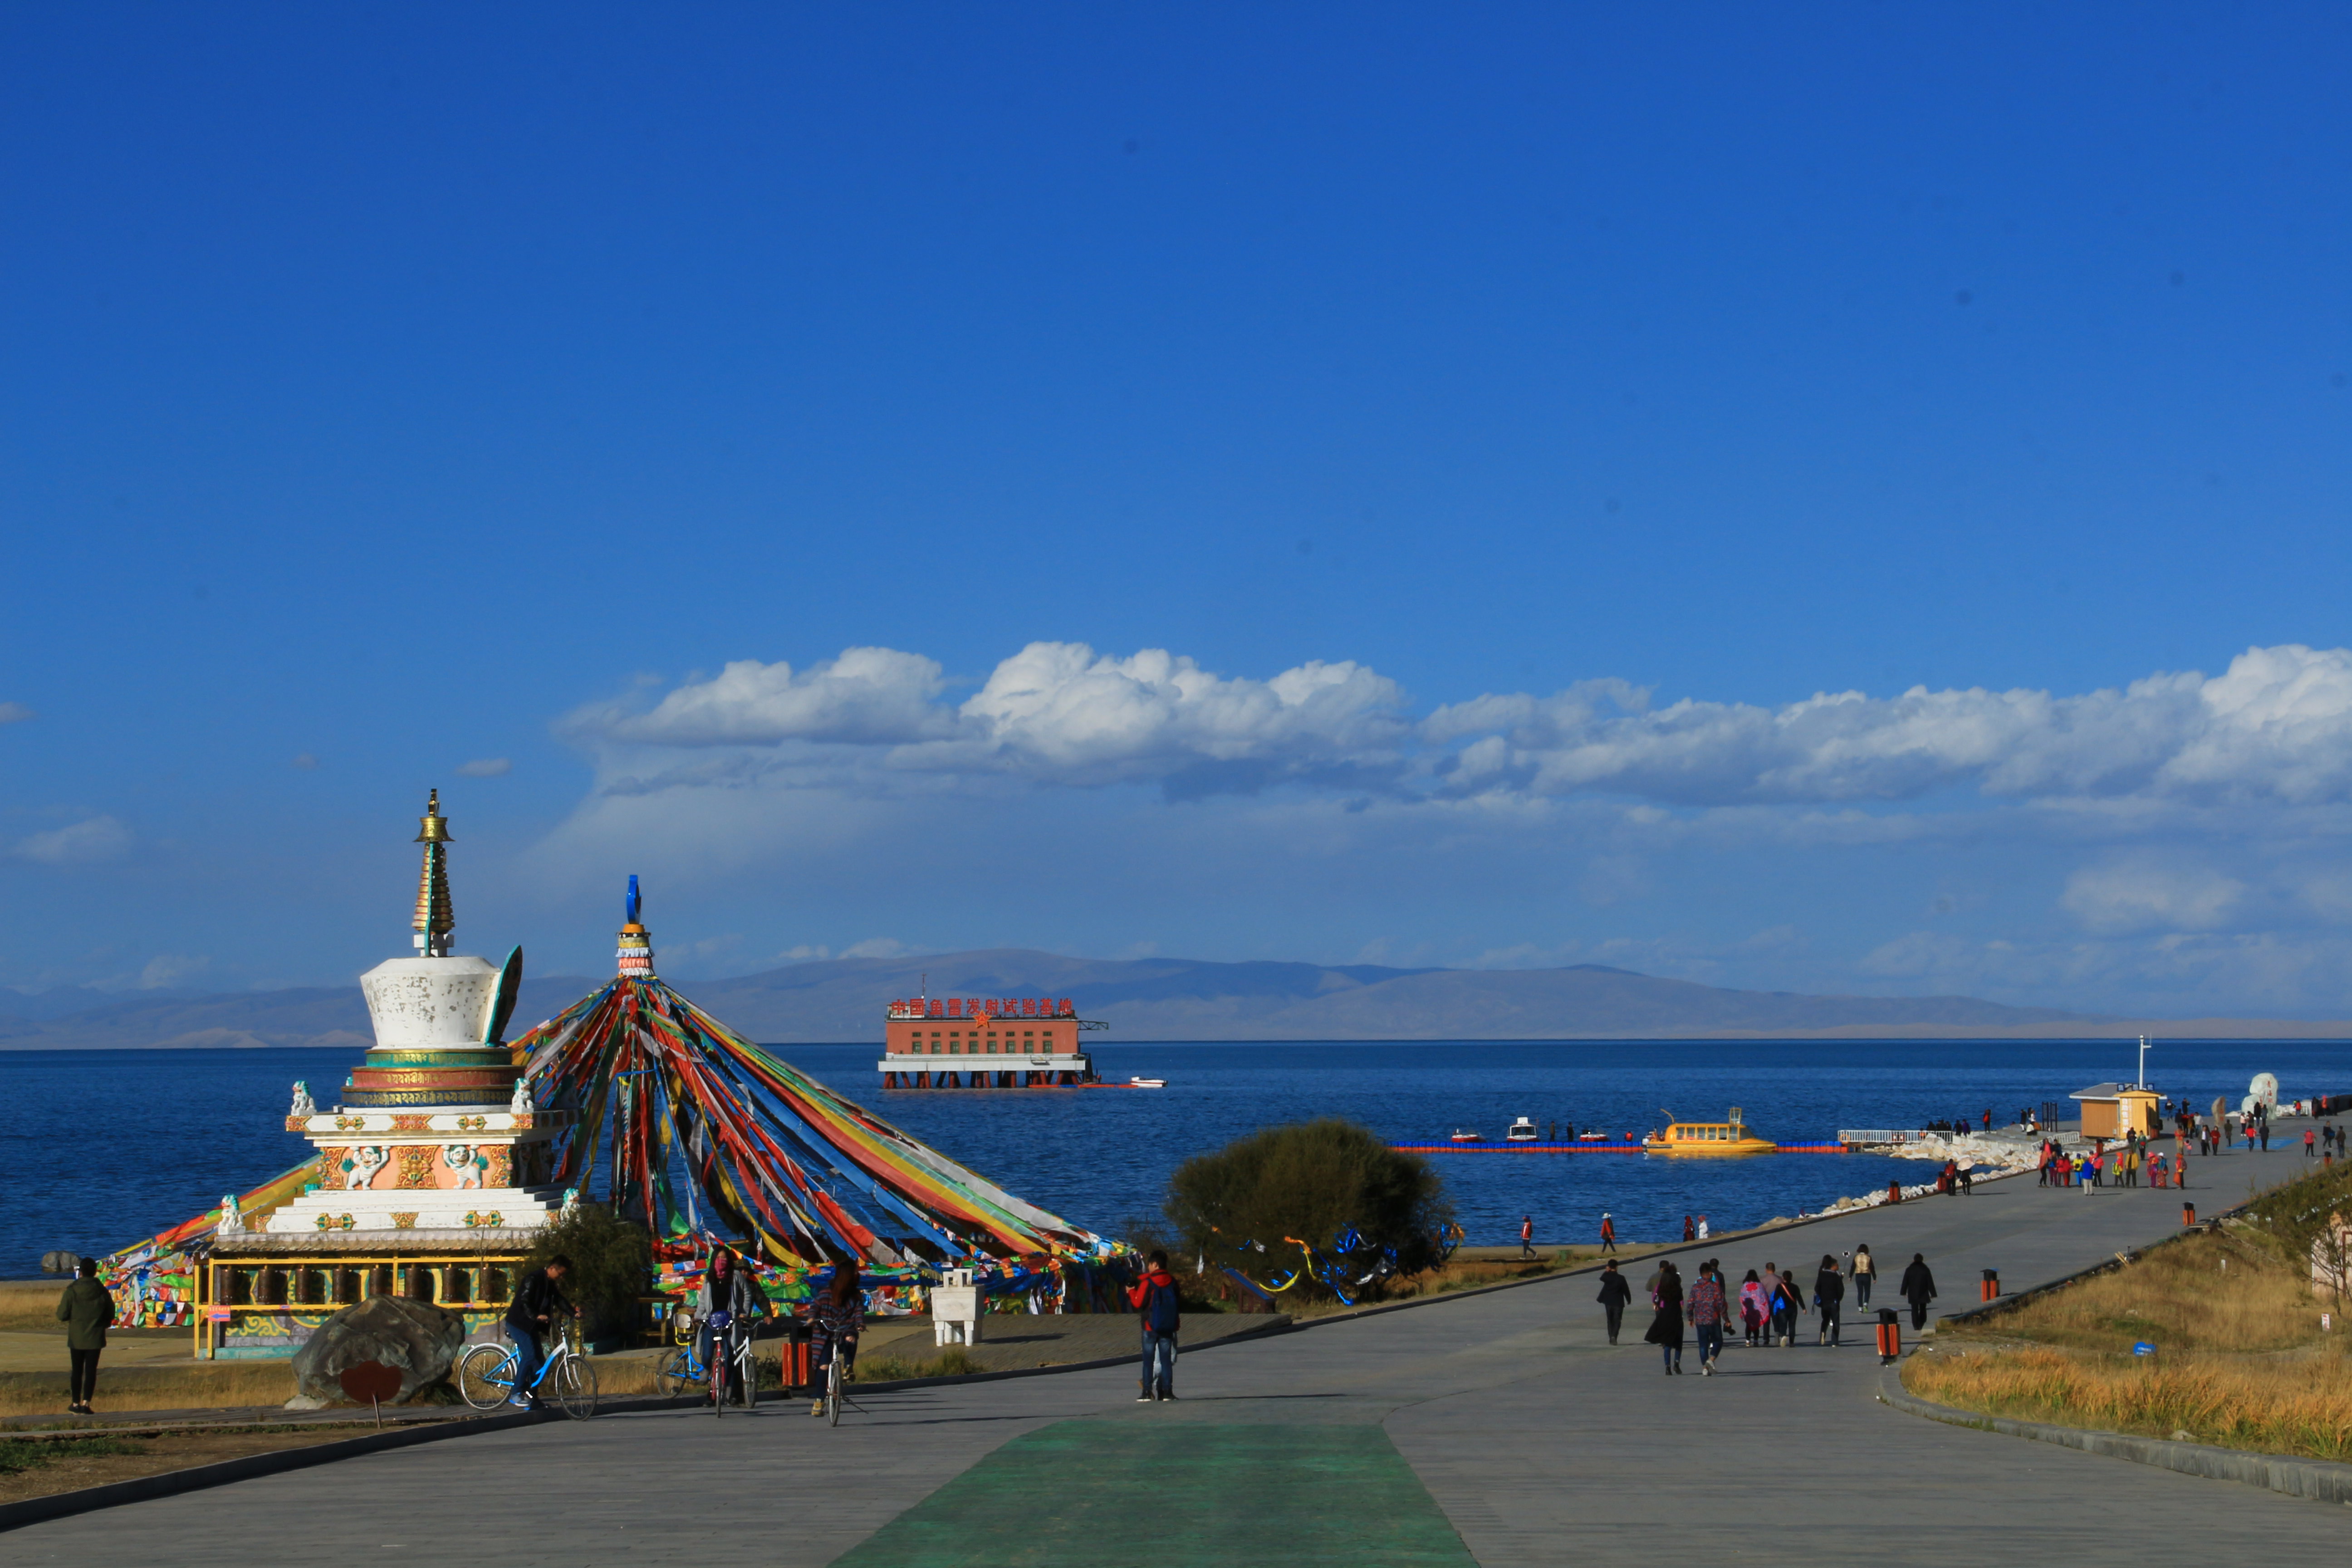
x=430 y=1004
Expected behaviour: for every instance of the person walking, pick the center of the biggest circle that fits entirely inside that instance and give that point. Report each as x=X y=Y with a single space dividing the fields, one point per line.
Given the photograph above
x=1918 y=1288
x=2310 y=1143
x=1792 y=1302
x=1708 y=1311
x=1608 y=1233
x=1614 y=1293
x=1665 y=1329
x=1751 y=1308
x=1690 y=1232
x=1865 y=1272
x=1154 y=1297
x=1829 y=1297
x=86 y=1309
x=1526 y=1236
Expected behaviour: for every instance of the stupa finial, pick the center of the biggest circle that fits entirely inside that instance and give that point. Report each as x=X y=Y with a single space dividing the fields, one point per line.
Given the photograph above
x=435 y=918
x=637 y=954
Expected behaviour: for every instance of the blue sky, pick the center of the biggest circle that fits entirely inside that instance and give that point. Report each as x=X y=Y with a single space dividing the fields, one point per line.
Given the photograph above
x=1433 y=486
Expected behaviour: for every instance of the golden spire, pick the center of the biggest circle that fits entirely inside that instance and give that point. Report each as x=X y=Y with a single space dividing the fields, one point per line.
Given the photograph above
x=434 y=918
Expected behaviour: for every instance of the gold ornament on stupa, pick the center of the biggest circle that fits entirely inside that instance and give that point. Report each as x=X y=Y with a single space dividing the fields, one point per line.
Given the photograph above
x=435 y=917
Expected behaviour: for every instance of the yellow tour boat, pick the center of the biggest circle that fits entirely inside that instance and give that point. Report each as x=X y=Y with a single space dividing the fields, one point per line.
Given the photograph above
x=1731 y=1136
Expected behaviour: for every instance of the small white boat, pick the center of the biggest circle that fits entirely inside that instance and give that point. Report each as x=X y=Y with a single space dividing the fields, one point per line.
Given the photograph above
x=1146 y=1083
x=1523 y=1131
x=1597 y=1137
x=1462 y=1137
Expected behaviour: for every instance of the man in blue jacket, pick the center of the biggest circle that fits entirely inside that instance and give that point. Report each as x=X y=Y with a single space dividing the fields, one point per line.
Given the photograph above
x=1155 y=1297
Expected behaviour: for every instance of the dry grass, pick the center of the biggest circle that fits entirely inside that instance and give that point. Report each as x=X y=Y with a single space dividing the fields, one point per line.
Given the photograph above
x=212 y=1385
x=2180 y=1298
x=31 y=1305
x=953 y=1361
x=2239 y=1358
x=2301 y=1406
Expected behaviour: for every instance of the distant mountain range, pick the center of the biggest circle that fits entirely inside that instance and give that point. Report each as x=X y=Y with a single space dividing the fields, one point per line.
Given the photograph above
x=842 y=1000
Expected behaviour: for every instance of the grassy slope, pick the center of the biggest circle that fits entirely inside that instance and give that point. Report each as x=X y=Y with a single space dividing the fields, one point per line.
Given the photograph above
x=2241 y=1360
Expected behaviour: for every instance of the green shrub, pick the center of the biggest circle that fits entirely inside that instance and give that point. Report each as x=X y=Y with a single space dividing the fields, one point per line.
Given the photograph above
x=612 y=1265
x=1310 y=1179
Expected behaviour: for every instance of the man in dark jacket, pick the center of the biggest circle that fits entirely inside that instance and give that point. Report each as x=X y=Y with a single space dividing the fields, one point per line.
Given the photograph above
x=531 y=1316
x=1614 y=1294
x=86 y=1309
x=1154 y=1296
x=1918 y=1288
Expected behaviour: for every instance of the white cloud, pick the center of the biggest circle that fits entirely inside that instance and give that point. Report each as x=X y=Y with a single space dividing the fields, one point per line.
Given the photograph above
x=1053 y=713
x=14 y=713
x=168 y=969
x=2145 y=896
x=2276 y=726
x=1068 y=714
x=93 y=840
x=868 y=696
x=485 y=768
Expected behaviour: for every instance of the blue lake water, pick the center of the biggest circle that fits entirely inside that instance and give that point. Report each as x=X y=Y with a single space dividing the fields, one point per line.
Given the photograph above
x=98 y=1149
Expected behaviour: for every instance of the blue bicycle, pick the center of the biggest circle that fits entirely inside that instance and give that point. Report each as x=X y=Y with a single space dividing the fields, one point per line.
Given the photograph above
x=486 y=1378
x=731 y=1377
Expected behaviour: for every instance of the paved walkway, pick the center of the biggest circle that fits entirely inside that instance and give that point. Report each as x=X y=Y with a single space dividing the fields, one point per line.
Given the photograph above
x=1499 y=1428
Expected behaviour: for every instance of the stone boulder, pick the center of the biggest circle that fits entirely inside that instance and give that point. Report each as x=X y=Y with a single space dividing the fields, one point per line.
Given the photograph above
x=420 y=1339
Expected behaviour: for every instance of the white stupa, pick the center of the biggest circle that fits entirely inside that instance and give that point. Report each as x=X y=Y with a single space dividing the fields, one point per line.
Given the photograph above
x=436 y=1131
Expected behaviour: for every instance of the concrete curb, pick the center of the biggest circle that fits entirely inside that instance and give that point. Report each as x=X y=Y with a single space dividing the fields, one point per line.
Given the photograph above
x=195 y=1478
x=2313 y=1478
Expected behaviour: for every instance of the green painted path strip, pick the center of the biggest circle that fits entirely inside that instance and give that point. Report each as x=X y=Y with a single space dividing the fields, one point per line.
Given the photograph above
x=1172 y=1495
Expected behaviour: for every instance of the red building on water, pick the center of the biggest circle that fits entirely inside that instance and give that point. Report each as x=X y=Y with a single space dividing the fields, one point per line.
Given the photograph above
x=984 y=1042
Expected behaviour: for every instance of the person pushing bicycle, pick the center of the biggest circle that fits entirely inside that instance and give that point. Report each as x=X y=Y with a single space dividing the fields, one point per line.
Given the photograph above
x=834 y=1318
x=531 y=1316
x=728 y=1302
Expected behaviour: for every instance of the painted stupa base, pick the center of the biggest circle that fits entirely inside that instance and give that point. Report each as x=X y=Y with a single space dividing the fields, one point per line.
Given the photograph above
x=468 y=1209
x=380 y=1165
